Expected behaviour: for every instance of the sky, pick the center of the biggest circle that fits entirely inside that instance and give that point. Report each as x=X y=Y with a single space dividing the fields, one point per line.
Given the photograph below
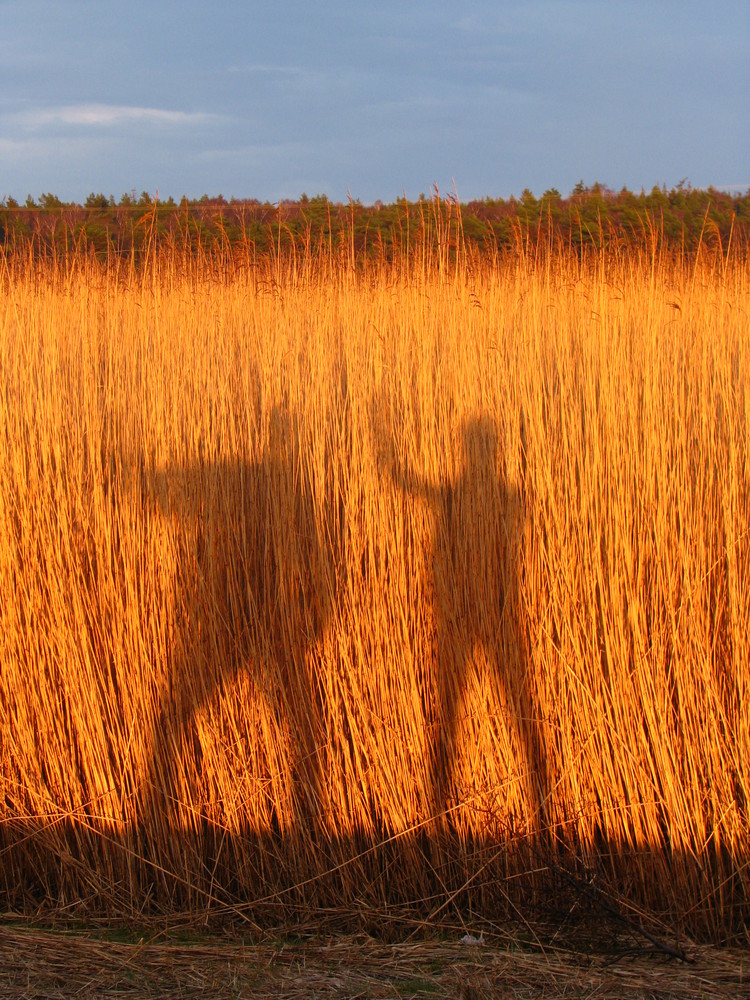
x=371 y=99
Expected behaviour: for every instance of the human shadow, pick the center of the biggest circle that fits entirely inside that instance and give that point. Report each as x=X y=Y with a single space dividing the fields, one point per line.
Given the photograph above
x=248 y=544
x=474 y=564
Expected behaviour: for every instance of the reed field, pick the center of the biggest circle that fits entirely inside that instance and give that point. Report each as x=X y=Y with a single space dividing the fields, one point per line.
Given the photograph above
x=379 y=591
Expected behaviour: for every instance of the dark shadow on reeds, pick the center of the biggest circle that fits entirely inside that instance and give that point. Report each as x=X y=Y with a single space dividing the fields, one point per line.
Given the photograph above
x=250 y=544
x=474 y=565
x=251 y=539
x=651 y=900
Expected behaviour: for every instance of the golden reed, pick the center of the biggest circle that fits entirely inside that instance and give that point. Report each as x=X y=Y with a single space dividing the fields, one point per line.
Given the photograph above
x=333 y=589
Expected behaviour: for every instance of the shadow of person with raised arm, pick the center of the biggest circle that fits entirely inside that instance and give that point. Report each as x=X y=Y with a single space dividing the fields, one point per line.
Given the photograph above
x=248 y=611
x=474 y=565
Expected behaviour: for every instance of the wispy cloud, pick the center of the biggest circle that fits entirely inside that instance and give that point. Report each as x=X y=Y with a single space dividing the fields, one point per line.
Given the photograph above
x=104 y=115
x=46 y=148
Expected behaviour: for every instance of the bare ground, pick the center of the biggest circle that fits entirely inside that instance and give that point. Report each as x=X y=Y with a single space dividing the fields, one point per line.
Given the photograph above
x=51 y=964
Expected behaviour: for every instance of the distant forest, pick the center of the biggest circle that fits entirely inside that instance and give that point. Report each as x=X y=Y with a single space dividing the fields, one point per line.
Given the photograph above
x=679 y=220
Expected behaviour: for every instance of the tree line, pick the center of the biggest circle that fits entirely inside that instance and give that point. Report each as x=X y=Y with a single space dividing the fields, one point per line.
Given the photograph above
x=680 y=219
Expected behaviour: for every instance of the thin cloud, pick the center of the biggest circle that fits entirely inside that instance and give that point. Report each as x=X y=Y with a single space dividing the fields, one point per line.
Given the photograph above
x=104 y=115
x=46 y=147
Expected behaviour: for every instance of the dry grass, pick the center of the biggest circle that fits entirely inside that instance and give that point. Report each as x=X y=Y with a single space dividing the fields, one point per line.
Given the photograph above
x=329 y=589
x=35 y=964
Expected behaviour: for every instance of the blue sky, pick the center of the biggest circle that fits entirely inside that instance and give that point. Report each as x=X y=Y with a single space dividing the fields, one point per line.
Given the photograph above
x=270 y=100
